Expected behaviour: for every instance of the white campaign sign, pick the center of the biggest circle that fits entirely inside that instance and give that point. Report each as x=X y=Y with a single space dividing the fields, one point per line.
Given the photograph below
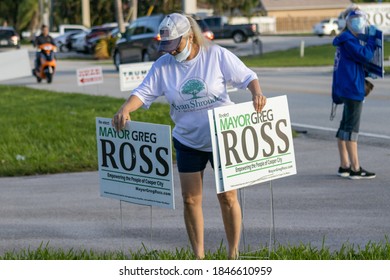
x=216 y=158
x=135 y=164
x=14 y=64
x=378 y=14
x=132 y=74
x=249 y=147
x=90 y=76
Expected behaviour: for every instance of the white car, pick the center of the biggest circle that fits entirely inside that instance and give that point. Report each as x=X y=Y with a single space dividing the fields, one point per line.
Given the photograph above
x=328 y=26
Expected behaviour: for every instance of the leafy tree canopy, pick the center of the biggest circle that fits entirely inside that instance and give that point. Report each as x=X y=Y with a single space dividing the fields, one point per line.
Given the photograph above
x=25 y=14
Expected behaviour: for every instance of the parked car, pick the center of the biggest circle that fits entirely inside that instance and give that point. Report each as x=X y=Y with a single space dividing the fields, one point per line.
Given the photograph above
x=66 y=28
x=238 y=32
x=205 y=29
x=115 y=32
x=77 y=42
x=63 y=41
x=62 y=30
x=328 y=27
x=97 y=33
x=9 y=37
x=141 y=40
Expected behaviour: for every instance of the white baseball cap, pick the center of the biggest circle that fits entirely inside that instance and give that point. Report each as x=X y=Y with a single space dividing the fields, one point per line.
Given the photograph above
x=172 y=29
x=356 y=13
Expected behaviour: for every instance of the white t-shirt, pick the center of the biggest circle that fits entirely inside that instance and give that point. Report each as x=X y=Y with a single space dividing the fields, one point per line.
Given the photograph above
x=192 y=88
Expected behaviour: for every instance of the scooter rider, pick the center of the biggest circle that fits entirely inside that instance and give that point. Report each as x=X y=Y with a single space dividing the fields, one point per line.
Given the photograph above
x=44 y=38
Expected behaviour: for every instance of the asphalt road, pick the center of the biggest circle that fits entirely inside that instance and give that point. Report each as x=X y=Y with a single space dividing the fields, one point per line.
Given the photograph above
x=314 y=207
x=311 y=207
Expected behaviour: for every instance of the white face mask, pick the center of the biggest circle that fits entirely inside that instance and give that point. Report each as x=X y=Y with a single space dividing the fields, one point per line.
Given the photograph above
x=184 y=54
x=357 y=24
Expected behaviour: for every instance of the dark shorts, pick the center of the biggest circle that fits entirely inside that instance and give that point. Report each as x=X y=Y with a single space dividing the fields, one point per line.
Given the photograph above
x=190 y=160
x=350 y=122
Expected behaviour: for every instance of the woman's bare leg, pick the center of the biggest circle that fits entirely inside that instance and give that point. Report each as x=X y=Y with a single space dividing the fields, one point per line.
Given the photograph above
x=191 y=186
x=231 y=215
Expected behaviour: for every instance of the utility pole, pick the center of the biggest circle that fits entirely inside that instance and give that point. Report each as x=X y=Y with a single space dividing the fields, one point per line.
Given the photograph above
x=51 y=7
x=44 y=12
x=119 y=15
x=86 y=14
x=189 y=6
x=134 y=10
x=40 y=12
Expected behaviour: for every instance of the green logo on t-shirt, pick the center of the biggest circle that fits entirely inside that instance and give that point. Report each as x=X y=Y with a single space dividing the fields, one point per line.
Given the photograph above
x=193 y=89
x=195 y=96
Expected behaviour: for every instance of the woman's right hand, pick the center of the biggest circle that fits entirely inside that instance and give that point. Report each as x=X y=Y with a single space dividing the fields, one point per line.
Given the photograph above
x=119 y=120
x=123 y=115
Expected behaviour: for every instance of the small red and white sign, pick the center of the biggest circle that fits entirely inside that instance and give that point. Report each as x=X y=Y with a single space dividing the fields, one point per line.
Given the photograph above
x=90 y=76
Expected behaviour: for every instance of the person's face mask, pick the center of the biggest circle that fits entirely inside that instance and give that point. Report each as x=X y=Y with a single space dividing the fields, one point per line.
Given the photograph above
x=184 y=54
x=357 y=25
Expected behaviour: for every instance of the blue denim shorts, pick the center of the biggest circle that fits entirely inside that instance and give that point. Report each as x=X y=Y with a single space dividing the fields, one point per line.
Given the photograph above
x=350 y=122
x=190 y=160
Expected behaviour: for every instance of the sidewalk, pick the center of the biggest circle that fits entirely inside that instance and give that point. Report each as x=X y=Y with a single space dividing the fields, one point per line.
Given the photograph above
x=66 y=210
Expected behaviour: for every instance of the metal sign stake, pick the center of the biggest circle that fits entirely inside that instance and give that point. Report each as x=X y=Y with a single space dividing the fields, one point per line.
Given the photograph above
x=122 y=230
x=272 y=228
x=272 y=239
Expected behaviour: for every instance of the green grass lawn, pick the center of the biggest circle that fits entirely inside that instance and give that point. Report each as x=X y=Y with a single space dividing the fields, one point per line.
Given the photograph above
x=314 y=56
x=371 y=251
x=48 y=132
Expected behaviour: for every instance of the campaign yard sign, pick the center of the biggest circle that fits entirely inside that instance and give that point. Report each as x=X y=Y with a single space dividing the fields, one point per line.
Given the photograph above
x=249 y=147
x=376 y=65
x=132 y=74
x=14 y=64
x=89 y=76
x=135 y=164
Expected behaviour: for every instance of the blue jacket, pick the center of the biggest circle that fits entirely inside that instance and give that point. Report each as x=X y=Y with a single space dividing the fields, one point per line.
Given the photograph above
x=350 y=57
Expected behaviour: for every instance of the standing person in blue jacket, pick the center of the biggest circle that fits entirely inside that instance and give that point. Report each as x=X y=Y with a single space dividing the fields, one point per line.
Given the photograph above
x=348 y=87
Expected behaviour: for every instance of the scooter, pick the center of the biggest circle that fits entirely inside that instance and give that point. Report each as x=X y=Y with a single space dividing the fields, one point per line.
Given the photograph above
x=48 y=63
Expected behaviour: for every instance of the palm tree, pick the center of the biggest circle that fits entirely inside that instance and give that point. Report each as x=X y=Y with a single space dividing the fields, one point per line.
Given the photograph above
x=23 y=14
x=27 y=15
